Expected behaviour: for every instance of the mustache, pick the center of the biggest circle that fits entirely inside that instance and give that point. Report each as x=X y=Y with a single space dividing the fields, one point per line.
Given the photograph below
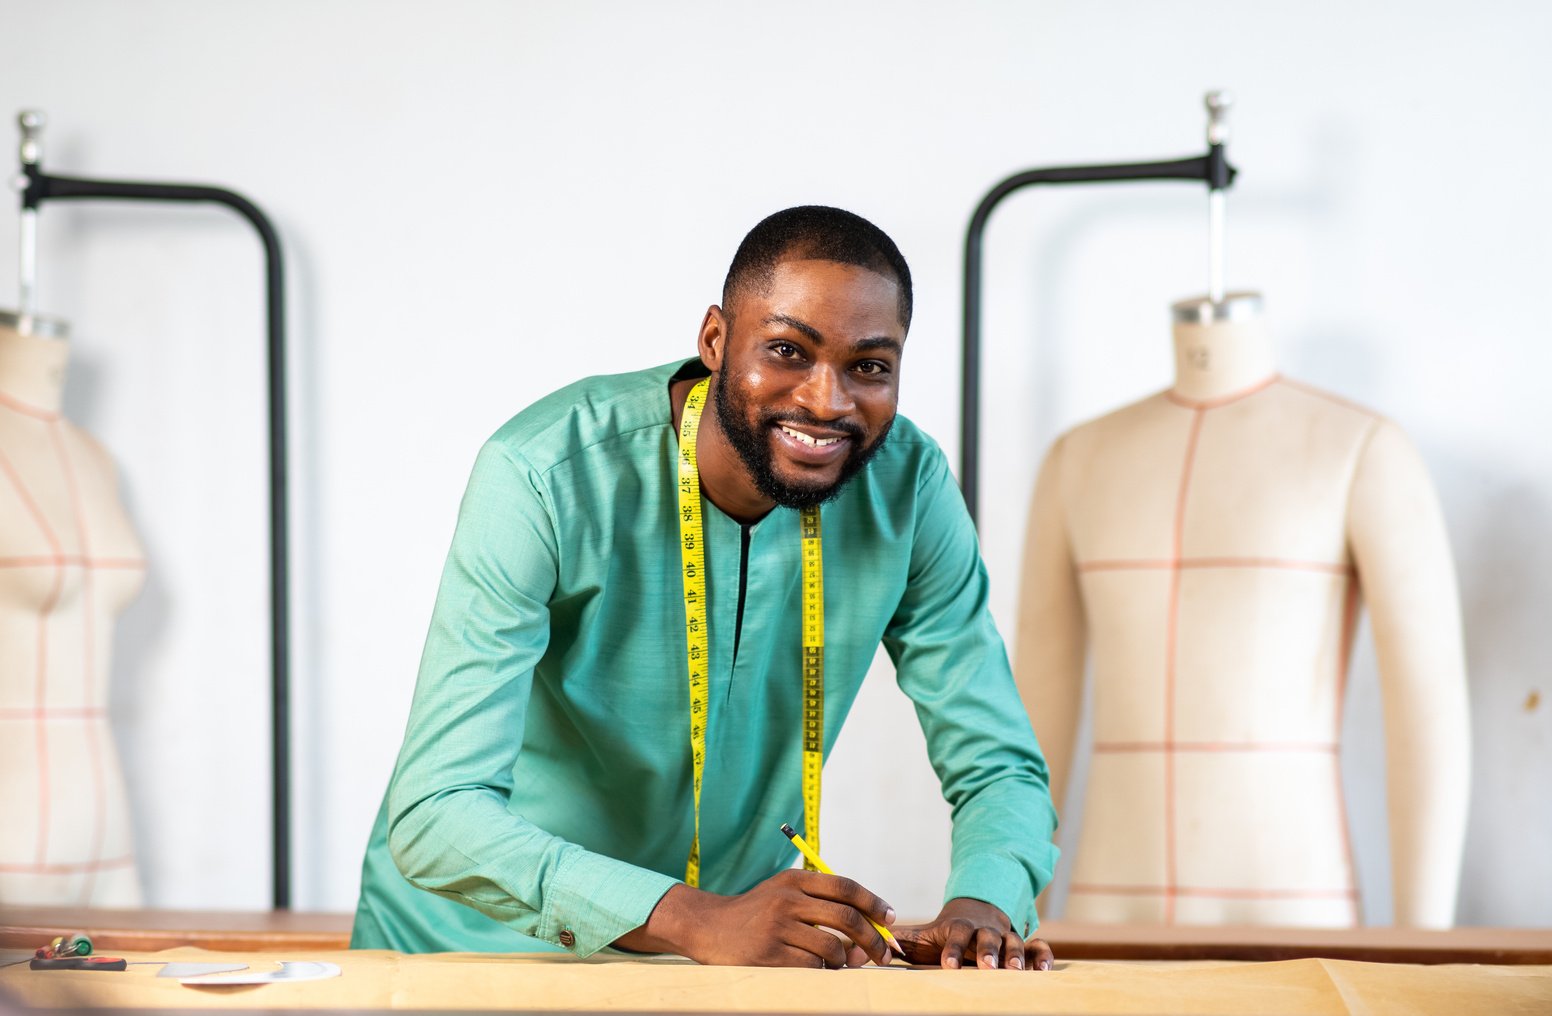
x=771 y=418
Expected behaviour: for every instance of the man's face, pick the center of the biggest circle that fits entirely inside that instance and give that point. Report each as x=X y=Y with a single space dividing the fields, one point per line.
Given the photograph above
x=809 y=377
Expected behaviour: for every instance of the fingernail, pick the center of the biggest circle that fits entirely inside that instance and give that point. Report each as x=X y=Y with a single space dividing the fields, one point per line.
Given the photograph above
x=1045 y=964
x=952 y=963
x=889 y=916
x=1016 y=962
x=991 y=961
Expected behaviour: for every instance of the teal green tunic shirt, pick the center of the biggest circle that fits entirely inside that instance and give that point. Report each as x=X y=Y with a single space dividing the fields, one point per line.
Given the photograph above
x=543 y=791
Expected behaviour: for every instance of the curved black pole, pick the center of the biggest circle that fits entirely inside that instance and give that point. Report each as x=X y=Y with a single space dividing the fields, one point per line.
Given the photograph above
x=1212 y=169
x=40 y=188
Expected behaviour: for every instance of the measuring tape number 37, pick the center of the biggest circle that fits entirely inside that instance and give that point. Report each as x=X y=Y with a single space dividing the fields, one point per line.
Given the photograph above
x=696 y=626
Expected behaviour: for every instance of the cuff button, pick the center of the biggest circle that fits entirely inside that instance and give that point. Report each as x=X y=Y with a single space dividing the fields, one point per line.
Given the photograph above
x=567 y=939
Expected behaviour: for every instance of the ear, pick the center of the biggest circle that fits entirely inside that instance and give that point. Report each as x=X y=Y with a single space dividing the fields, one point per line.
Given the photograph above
x=716 y=328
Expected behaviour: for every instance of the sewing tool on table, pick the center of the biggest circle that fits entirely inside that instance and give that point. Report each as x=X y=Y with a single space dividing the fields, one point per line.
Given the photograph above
x=73 y=952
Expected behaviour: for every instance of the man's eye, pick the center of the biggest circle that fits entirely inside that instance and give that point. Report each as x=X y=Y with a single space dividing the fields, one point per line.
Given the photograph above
x=785 y=349
x=872 y=368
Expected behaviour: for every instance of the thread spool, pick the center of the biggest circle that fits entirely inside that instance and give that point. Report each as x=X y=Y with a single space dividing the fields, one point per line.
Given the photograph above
x=63 y=946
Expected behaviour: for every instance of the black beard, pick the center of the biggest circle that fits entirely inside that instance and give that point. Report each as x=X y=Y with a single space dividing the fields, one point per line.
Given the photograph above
x=754 y=448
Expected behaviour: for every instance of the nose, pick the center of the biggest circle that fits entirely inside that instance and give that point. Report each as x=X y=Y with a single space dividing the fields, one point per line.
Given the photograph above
x=825 y=394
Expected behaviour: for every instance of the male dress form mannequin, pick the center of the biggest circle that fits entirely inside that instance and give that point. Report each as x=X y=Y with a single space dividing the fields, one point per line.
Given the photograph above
x=69 y=562
x=1212 y=544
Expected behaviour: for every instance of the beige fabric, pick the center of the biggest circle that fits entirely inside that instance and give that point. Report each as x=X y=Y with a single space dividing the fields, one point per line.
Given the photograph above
x=1209 y=549
x=384 y=980
x=69 y=563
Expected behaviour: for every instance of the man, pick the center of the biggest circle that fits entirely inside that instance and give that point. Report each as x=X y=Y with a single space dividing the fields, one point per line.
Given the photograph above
x=547 y=793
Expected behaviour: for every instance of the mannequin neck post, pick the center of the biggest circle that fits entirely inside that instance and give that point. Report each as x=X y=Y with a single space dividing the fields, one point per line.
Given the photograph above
x=1221 y=348
x=32 y=370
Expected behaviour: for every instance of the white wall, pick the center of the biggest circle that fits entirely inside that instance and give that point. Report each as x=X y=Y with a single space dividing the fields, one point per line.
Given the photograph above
x=481 y=201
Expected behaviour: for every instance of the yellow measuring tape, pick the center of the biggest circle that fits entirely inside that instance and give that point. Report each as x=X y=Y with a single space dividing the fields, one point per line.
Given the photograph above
x=693 y=561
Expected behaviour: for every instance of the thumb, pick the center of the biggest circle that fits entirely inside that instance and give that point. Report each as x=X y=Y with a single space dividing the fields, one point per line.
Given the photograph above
x=918 y=944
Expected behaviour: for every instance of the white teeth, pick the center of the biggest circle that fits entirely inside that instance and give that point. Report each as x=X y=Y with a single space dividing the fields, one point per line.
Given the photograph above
x=817 y=442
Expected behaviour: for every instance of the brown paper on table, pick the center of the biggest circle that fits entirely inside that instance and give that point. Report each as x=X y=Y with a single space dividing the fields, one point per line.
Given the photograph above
x=386 y=980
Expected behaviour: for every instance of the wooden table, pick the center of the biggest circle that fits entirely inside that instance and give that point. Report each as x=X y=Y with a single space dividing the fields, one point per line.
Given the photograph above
x=149 y=930
x=1100 y=969
x=263 y=931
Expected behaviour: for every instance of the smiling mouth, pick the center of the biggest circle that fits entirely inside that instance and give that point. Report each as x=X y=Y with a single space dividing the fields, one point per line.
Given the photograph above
x=810 y=440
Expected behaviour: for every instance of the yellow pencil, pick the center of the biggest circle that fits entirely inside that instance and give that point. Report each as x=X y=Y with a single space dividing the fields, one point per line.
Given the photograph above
x=818 y=862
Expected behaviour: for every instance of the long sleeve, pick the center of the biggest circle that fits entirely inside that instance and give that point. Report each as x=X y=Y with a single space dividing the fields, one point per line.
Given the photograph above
x=544 y=791
x=950 y=660
x=1396 y=532
x=450 y=828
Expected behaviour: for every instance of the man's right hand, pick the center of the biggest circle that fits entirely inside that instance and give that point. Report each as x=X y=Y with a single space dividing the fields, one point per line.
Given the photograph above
x=778 y=923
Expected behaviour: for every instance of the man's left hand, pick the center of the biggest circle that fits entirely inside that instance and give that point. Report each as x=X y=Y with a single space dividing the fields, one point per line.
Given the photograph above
x=972 y=933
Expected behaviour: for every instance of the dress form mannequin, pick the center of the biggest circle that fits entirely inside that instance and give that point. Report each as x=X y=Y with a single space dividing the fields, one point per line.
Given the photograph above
x=69 y=563
x=1210 y=547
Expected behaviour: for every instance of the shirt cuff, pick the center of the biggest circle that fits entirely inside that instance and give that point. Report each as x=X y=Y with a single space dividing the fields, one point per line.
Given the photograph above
x=1001 y=881
x=591 y=900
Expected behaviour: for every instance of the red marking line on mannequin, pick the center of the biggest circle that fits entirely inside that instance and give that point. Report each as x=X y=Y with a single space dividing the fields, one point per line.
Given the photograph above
x=1171 y=891
x=1175 y=564
x=1308 y=390
x=1222 y=400
x=1321 y=747
x=54 y=713
x=27 y=409
x=1349 y=632
x=88 y=662
x=72 y=561
x=1177 y=552
x=78 y=868
x=41 y=693
x=1270 y=563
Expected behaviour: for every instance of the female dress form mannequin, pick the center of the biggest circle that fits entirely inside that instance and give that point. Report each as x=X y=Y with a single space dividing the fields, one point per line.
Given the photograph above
x=1210 y=546
x=69 y=562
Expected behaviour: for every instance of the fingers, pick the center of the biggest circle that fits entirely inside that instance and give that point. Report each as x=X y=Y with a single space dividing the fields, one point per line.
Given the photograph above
x=1038 y=955
x=1012 y=951
x=956 y=944
x=784 y=921
x=918 y=947
x=988 y=948
x=840 y=889
x=823 y=948
x=848 y=907
x=848 y=922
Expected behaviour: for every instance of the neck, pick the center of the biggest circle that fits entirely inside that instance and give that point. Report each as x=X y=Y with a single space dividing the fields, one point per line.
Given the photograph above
x=32 y=371
x=1220 y=358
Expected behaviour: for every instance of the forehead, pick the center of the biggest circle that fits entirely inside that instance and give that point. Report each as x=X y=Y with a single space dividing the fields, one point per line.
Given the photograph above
x=847 y=298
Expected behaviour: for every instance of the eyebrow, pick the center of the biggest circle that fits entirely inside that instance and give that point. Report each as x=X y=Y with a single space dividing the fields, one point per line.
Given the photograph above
x=876 y=342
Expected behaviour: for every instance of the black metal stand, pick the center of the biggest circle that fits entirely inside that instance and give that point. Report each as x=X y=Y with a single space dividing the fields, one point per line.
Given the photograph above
x=40 y=188
x=1212 y=169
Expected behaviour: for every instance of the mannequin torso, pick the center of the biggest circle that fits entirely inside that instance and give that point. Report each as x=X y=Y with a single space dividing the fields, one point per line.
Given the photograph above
x=69 y=563
x=1210 y=546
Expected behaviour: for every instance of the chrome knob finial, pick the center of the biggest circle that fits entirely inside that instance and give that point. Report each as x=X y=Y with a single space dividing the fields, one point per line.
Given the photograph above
x=32 y=122
x=1218 y=103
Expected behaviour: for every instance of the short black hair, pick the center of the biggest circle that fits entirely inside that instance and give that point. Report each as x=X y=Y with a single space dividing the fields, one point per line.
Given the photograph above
x=818 y=233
